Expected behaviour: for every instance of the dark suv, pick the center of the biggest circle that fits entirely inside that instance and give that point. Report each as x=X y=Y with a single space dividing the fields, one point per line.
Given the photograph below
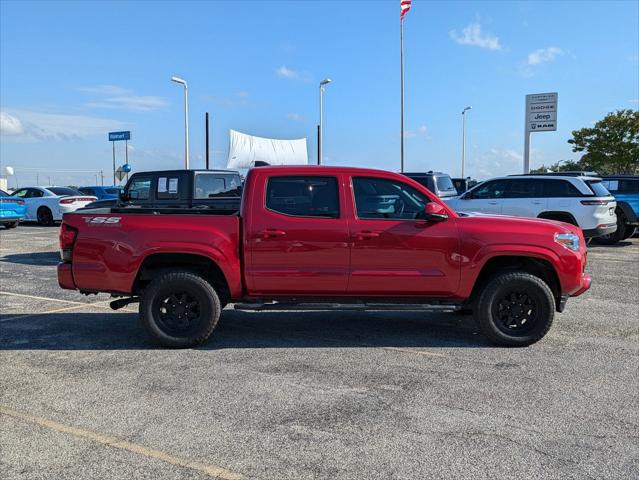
x=437 y=182
x=201 y=190
x=625 y=189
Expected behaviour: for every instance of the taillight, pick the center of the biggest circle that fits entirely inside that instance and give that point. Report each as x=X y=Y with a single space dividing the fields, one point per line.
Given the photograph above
x=11 y=200
x=68 y=235
x=595 y=202
x=66 y=201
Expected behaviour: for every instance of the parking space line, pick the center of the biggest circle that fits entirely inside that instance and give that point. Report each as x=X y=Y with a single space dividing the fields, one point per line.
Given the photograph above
x=42 y=298
x=22 y=316
x=210 y=470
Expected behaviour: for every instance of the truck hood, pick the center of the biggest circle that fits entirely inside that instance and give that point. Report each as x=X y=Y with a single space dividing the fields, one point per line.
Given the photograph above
x=506 y=223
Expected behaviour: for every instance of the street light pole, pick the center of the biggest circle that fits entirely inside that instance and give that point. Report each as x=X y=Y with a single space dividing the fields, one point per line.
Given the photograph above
x=464 y=138
x=322 y=85
x=186 y=118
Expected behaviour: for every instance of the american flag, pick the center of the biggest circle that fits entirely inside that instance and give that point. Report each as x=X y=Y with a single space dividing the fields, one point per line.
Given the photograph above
x=404 y=7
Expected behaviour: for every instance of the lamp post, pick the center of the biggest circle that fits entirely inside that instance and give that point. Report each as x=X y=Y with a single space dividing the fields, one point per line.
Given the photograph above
x=320 y=139
x=186 y=119
x=464 y=138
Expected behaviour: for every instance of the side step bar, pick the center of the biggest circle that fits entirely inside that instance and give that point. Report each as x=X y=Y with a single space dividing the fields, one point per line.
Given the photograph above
x=356 y=307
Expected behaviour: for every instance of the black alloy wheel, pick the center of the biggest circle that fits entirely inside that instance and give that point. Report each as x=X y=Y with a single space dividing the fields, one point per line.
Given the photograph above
x=179 y=308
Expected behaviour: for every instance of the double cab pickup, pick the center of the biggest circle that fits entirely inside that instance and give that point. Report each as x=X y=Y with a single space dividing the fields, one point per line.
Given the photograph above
x=319 y=237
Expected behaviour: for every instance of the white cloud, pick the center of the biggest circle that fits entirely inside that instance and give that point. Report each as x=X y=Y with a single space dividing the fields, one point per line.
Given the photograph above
x=542 y=55
x=284 y=72
x=10 y=125
x=472 y=35
x=105 y=90
x=27 y=126
x=243 y=94
x=115 y=97
x=296 y=117
x=494 y=162
x=290 y=74
x=419 y=131
x=130 y=102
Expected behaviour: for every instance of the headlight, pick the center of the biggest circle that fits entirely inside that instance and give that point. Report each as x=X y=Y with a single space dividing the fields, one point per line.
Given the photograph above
x=568 y=240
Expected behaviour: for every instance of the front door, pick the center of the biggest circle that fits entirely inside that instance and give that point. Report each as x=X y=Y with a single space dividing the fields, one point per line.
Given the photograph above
x=395 y=252
x=485 y=198
x=298 y=238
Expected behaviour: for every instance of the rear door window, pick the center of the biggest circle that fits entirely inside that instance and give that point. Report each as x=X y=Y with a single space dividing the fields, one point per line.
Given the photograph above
x=303 y=196
x=168 y=187
x=520 y=188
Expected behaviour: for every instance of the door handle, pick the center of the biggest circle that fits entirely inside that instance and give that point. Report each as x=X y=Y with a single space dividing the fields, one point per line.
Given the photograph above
x=271 y=233
x=492 y=203
x=536 y=203
x=366 y=235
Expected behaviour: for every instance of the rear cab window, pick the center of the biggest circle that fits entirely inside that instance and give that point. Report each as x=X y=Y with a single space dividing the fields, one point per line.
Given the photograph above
x=303 y=196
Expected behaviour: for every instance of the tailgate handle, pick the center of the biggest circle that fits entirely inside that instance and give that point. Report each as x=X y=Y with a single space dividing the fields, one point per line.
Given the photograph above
x=271 y=233
x=366 y=235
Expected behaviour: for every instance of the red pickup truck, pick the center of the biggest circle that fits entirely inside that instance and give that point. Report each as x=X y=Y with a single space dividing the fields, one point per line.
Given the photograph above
x=316 y=237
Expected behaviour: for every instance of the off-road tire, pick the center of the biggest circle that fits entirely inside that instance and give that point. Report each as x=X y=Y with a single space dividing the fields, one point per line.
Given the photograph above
x=499 y=289
x=45 y=217
x=154 y=307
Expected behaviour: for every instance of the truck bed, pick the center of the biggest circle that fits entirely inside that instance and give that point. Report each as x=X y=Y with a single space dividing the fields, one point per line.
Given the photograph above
x=112 y=245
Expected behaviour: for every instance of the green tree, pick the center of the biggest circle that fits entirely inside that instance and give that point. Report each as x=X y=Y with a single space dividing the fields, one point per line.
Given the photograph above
x=611 y=146
x=560 y=166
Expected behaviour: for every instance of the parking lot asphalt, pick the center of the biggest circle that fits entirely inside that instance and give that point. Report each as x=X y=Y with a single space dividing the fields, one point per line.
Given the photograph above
x=339 y=395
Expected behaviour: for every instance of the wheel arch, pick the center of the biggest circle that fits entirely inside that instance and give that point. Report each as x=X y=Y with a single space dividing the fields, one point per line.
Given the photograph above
x=560 y=216
x=535 y=265
x=203 y=265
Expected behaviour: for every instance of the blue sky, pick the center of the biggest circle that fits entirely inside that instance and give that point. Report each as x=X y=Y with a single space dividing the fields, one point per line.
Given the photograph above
x=72 y=71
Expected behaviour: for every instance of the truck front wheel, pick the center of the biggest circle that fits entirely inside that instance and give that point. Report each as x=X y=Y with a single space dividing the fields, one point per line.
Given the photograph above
x=179 y=309
x=515 y=309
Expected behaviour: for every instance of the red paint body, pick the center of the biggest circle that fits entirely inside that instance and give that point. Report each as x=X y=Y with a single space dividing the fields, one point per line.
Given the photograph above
x=264 y=254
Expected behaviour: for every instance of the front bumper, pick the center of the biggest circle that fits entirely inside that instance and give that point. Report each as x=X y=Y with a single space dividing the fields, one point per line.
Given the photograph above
x=586 y=281
x=65 y=276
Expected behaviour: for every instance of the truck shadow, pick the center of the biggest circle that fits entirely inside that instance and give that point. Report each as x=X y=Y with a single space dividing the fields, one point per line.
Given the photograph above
x=243 y=330
x=35 y=258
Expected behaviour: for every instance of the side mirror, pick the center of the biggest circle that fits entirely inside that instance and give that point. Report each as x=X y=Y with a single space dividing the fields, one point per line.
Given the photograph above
x=435 y=212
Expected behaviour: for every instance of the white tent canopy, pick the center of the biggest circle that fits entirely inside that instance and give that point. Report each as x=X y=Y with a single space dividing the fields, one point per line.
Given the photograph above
x=245 y=150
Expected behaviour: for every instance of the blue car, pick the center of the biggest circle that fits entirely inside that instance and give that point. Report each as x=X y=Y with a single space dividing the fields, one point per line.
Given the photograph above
x=103 y=193
x=625 y=189
x=12 y=210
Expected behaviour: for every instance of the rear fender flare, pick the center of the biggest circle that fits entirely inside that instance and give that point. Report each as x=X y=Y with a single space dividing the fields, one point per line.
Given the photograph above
x=230 y=268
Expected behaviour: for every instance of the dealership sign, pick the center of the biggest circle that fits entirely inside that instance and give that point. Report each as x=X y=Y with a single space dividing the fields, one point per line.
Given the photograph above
x=541 y=112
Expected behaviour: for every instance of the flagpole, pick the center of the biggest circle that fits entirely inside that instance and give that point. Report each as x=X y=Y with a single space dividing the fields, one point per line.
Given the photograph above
x=401 y=60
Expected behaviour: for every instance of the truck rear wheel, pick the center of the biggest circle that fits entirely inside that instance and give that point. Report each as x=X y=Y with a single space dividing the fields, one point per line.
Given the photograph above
x=179 y=309
x=515 y=309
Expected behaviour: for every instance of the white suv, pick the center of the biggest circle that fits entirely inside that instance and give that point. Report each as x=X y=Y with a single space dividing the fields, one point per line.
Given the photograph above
x=579 y=200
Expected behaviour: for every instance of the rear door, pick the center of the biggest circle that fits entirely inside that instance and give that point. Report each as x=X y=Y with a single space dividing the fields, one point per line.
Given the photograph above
x=523 y=197
x=485 y=198
x=297 y=237
x=394 y=251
